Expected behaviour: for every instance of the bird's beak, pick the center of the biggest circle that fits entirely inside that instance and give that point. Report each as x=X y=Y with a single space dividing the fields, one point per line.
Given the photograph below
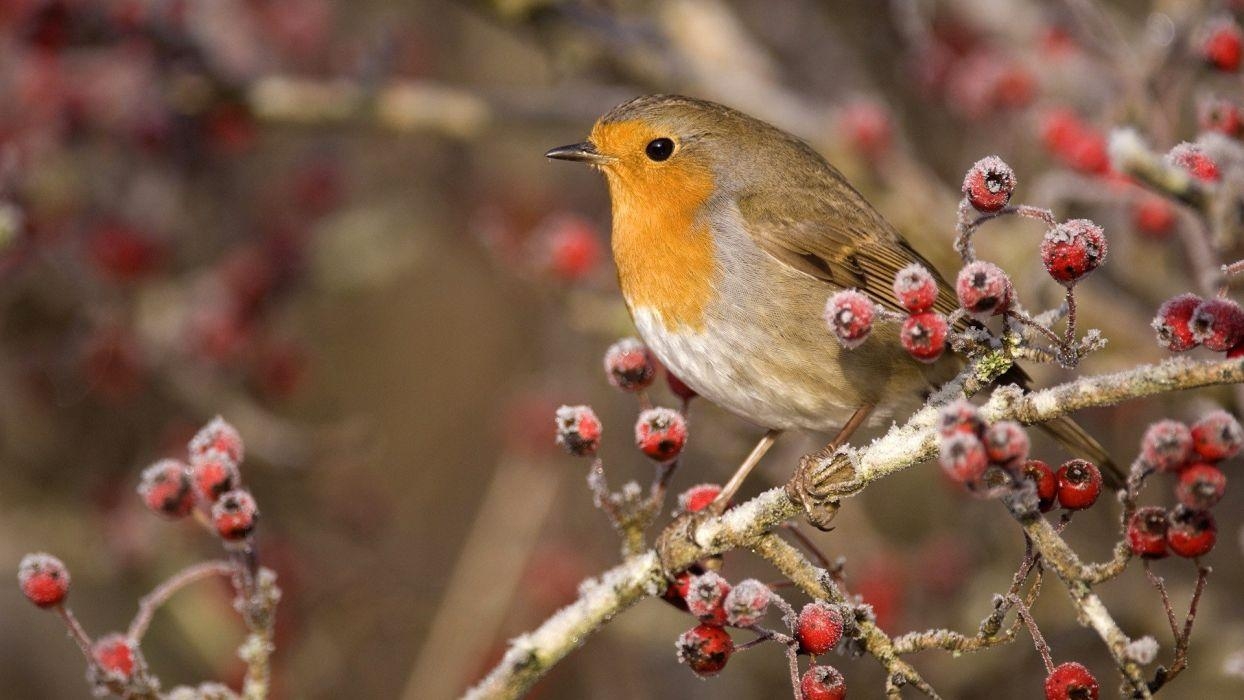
x=580 y=152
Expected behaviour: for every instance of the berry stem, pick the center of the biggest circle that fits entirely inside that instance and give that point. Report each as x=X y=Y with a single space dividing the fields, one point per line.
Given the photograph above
x=76 y=632
x=1038 y=641
x=150 y=603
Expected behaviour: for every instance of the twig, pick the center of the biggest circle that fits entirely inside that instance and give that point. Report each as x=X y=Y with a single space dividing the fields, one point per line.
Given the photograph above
x=150 y=603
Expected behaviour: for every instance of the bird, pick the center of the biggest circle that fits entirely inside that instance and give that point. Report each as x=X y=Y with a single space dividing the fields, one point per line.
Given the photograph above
x=728 y=235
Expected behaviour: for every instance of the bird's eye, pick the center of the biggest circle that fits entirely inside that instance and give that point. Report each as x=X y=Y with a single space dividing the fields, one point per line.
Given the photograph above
x=659 y=149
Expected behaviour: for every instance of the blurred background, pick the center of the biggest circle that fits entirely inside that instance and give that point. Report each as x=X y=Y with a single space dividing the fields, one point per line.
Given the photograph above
x=332 y=223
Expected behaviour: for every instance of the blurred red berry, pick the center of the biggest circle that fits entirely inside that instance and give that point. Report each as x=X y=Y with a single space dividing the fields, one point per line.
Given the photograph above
x=1153 y=216
x=116 y=656
x=963 y=457
x=1173 y=322
x=1221 y=45
x=818 y=627
x=1006 y=443
x=1146 y=532
x=213 y=474
x=915 y=288
x=629 y=365
x=866 y=126
x=1167 y=445
x=570 y=246
x=678 y=387
x=1217 y=436
x=1192 y=533
x=44 y=580
x=823 y=683
x=1074 y=142
x=983 y=289
x=960 y=416
x=706 y=597
x=706 y=649
x=1201 y=486
x=1193 y=159
x=1218 y=324
x=578 y=430
x=747 y=602
x=218 y=436
x=698 y=497
x=166 y=488
x=235 y=515
x=230 y=128
x=661 y=433
x=1219 y=114
x=1070 y=681
x=123 y=253
x=989 y=184
x=924 y=335
x=849 y=314
x=1079 y=484
x=1042 y=475
x=279 y=368
x=1072 y=250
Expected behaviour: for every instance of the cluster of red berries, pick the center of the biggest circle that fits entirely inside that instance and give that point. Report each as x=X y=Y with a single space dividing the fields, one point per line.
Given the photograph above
x=850 y=315
x=1186 y=321
x=1073 y=141
x=970 y=449
x=1192 y=455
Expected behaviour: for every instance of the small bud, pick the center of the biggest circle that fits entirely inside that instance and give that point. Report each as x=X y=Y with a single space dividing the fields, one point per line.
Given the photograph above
x=747 y=603
x=823 y=683
x=1073 y=249
x=578 y=430
x=44 y=580
x=915 y=288
x=1173 y=322
x=1217 y=436
x=1046 y=482
x=1218 y=324
x=661 y=433
x=1167 y=446
x=924 y=335
x=989 y=184
x=963 y=457
x=1079 y=484
x=849 y=314
x=1201 y=486
x=235 y=515
x=706 y=597
x=1192 y=158
x=960 y=416
x=1006 y=443
x=1071 y=681
x=706 y=649
x=218 y=436
x=166 y=488
x=1146 y=532
x=1192 y=533
x=630 y=365
x=214 y=473
x=819 y=627
x=983 y=289
x=1221 y=42
x=698 y=497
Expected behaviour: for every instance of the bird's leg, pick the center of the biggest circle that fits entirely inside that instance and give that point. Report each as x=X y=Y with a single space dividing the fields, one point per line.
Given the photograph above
x=732 y=486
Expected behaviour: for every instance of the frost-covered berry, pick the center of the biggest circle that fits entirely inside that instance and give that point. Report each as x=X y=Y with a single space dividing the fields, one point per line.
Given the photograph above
x=1146 y=532
x=678 y=387
x=915 y=288
x=989 y=184
x=963 y=457
x=698 y=497
x=1040 y=474
x=1217 y=436
x=1221 y=44
x=44 y=580
x=1173 y=322
x=1153 y=216
x=1192 y=533
x=747 y=602
x=235 y=515
x=960 y=416
x=661 y=433
x=1070 y=681
x=1193 y=159
x=166 y=488
x=818 y=627
x=849 y=314
x=1201 y=486
x=214 y=473
x=629 y=365
x=1218 y=324
x=706 y=649
x=1079 y=484
x=706 y=597
x=924 y=335
x=983 y=289
x=116 y=657
x=823 y=683
x=578 y=430
x=1073 y=249
x=1006 y=443
x=218 y=436
x=1167 y=445
x=1216 y=113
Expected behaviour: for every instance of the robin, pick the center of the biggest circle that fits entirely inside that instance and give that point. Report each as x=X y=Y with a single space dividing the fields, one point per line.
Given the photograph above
x=728 y=235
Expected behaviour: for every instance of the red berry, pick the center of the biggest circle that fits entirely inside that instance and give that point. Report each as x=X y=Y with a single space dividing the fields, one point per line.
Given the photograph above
x=578 y=430
x=123 y=253
x=989 y=184
x=1153 y=216
x=661 y=433
x=1079 y=484
x=571 y=248
x=676 y=592
x=1219 y=114
x=960 y=416
x=963 y=457
x=235 y=515
x=1146 y=532
x=849 y=314
x=1072 y=250
x=44 y=580
x=1221 y=45
x=1201 y=486
x=698 y=497
x=1006 y=443
x=166 y=488
x=823 y=683
x=819 y=627
x=629 y=365
x=214 y=473
x=915 y=288
x=706 y=597
x=678 y=387
x=865 y=125
x=924 y=335
x=1167 y=445
x=218 y=436
x=1193 y=159
x=1173 y=320
x=1217 y=436
x=1192 y=533
x=1218 y=324
x=1070 y=681
x=116 y=656
x=983 y=289
x=1074 y=142
x=747 y=603
x=1042 y=475
x=706 y=649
